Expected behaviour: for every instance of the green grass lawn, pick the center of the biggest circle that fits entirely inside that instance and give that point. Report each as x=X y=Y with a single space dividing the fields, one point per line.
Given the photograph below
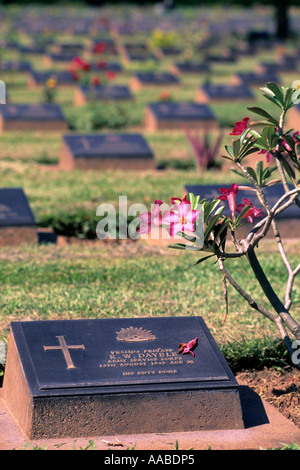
x=132 y=279
x=100 y=280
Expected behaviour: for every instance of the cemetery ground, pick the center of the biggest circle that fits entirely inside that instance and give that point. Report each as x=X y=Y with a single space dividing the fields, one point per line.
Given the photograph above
x=88 y=278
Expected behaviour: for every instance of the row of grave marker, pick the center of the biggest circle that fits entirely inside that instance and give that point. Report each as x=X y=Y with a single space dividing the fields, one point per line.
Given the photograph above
x=18 y=225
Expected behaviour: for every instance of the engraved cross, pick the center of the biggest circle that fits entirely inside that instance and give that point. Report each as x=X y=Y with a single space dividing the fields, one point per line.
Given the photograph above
x=65 y=349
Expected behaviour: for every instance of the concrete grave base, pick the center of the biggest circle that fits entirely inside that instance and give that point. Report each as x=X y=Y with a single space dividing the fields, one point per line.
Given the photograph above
x=30 y=125
x=101 y=161
x=264 y=428
x=14 y=236
x=152 y=123
x=92 y=415
x=53 y=414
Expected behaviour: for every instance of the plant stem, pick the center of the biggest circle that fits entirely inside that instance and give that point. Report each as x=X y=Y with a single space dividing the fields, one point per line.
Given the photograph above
x=268 y=290
x=274 y=318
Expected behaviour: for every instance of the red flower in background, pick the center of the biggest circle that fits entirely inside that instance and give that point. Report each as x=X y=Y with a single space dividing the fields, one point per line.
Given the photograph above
x=79 y=63
x=268 y=154
x=102 y=64
x=99 y=48
x=110 y=75
x=229 y=195
x=251 y=213
x=240 y=126
x=95 y=81
x=74 y=75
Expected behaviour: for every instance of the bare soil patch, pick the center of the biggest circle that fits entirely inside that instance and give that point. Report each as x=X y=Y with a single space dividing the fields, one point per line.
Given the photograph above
x=279 y=387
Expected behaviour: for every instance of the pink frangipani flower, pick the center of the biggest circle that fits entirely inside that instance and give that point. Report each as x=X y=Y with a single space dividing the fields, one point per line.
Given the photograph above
x=151 y=219
x=229 y=195
x=181 y=218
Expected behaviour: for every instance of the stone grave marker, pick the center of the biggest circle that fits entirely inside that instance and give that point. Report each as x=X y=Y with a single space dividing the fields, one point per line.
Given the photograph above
x=142 y=80
x=86 y=93
x=189 y=68
x=104 y=66
x=221 y=93
x=118 y=376
x=68 y=48
x=63 y=78
x=104 y=46
x=40 y=117
x=253 y=79
x=15 y=66
x=17 y=223
x=101 y=151
x=31 y=50
x=136 y=52
x=53 y=59
x=226 y=58
x=277 y=67
x=170 y=51
x=288 y=221
x=160 y=116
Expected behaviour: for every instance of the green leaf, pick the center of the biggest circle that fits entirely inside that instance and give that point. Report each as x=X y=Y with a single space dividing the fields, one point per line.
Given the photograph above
x=182 y=246
x=229 y=151
x=236 y=145
x=253 y=150
x=242 y=213
x=186 y=236
x=288 y=94
x=212 y=223
x=261 y=144
x=252 y=172
x=223 y=227
x=269 y=95
x=259 y=170
x=203 y=259
x=288 y=168
x=209 y=208
x=262 y=112
x=277 y=91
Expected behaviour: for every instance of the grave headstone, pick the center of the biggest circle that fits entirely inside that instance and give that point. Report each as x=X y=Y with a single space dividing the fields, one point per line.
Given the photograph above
x=68 y=48
x=63 y=78
x=40 y=117
x=189 y=67
x=31 y=50
x=101 y=151
x=136 y=52
x=160 y=116
x=170 y=51
x=142 y=80
x=221 y=93
x=104 y=46
x=17 y=223
x=86 y=93
x=254 y=79
x=104 y=66
x=221 y=58
x=55 y=59
x=124 y=376
x=277 y=67
x=15 y=66
x=288 y=221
